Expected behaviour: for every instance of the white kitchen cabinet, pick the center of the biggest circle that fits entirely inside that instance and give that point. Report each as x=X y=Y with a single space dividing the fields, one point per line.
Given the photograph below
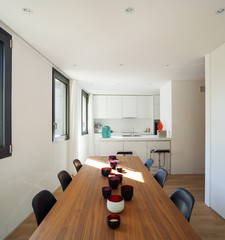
x=156 y=100
x=114 y=107
x=159 y=145
x=96 y=144
x=129 y=106
x=110 y=148
x=138 y=148
x=99 y=106
x=145 y=106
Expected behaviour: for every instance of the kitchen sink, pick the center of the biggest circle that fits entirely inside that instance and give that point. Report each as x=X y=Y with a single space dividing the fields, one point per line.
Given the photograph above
x=130 y=135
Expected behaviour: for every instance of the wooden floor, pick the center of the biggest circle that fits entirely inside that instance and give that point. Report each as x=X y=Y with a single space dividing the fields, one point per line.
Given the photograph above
x=208 y=224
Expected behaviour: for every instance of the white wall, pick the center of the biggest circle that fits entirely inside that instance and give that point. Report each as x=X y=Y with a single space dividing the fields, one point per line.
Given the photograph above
x=35 y=160
x=215 y=188
x=188 y=128
x=166 y=107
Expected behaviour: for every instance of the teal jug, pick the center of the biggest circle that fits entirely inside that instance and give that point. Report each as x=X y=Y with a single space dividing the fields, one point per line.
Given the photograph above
x=106 y=132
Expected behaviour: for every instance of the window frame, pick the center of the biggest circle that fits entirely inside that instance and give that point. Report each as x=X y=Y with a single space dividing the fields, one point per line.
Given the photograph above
x=57 y=75
x=6 y=38
x=84 y=94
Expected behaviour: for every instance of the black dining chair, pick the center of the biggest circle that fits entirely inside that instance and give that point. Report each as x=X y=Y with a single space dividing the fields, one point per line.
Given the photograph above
x=77 y=164
x=184 y=202
x=64 y=179
x=42 y=204
x=149 y=163
x=161 y=176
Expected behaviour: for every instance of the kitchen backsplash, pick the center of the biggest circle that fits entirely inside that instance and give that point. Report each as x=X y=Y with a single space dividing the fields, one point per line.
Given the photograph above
x=126 y=124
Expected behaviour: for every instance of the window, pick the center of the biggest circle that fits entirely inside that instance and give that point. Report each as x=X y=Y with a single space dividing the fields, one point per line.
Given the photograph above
x=60 y=107
x=84 y=112
x=5 y=93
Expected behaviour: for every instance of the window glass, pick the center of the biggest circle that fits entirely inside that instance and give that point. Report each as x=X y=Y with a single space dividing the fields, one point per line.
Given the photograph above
x=1 y=96
x=5 y=93
x=84 y=113
x=60 y=107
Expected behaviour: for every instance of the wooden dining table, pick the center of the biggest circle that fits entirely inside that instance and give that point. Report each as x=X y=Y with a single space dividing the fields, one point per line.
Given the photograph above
x=81 y=211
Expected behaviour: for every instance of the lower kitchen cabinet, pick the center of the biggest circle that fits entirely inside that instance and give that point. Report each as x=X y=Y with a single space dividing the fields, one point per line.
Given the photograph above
x=138 y=148
x=110 y=148
x=142 y=149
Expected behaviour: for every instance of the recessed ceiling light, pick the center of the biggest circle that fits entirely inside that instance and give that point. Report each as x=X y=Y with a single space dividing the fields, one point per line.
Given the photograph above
x=129 y=10
x=27 y=10
x=221 y=10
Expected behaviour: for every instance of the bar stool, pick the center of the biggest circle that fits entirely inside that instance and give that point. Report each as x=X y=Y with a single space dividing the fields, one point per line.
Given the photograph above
x=159 y=151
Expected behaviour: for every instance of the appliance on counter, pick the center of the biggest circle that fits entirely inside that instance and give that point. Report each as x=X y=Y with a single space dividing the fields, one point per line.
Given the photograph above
x=106 y=132
x=156 y=122
x=98 y=128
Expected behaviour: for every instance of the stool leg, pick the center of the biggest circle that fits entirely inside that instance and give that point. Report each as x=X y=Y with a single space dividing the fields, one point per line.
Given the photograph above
x=159 y=160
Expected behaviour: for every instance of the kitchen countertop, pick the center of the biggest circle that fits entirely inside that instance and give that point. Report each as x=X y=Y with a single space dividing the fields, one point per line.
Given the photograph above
x=141 y=137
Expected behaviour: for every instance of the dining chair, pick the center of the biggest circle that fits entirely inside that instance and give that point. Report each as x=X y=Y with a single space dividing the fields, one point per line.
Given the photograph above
x=64 y=179
x=77 y=164
x=161 y=176
x=42 y=204
x=184 y=201
x=149 y=163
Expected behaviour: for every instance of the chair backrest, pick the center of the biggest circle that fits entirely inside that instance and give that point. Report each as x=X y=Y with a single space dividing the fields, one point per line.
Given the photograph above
x=77 y=164
x=161 y=176
x=64 y=179
x=42 y=204
x=184 y=202
x=149 y=163
x=124 y=153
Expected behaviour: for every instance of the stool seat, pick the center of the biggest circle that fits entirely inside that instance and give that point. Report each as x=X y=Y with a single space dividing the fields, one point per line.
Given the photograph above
x=160 y=151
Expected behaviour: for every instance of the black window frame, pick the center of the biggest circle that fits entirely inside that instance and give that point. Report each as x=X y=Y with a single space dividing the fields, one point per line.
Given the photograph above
x=6 y=39
x=84 y=94
x=57 y=75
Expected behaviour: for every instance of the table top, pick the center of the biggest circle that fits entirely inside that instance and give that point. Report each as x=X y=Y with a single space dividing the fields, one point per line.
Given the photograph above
x=81 y=212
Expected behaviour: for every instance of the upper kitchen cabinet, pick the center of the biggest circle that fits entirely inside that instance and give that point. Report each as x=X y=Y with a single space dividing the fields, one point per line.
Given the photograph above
x=156 y=100
x=130 y=106
x=145 y=106
x=114 y=107
x=99 y=106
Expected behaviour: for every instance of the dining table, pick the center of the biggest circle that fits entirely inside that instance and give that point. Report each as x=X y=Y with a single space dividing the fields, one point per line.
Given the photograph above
x=81 y=211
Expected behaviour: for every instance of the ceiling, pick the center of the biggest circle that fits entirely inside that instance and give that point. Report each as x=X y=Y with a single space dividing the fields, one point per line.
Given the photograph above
x=110 y=51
